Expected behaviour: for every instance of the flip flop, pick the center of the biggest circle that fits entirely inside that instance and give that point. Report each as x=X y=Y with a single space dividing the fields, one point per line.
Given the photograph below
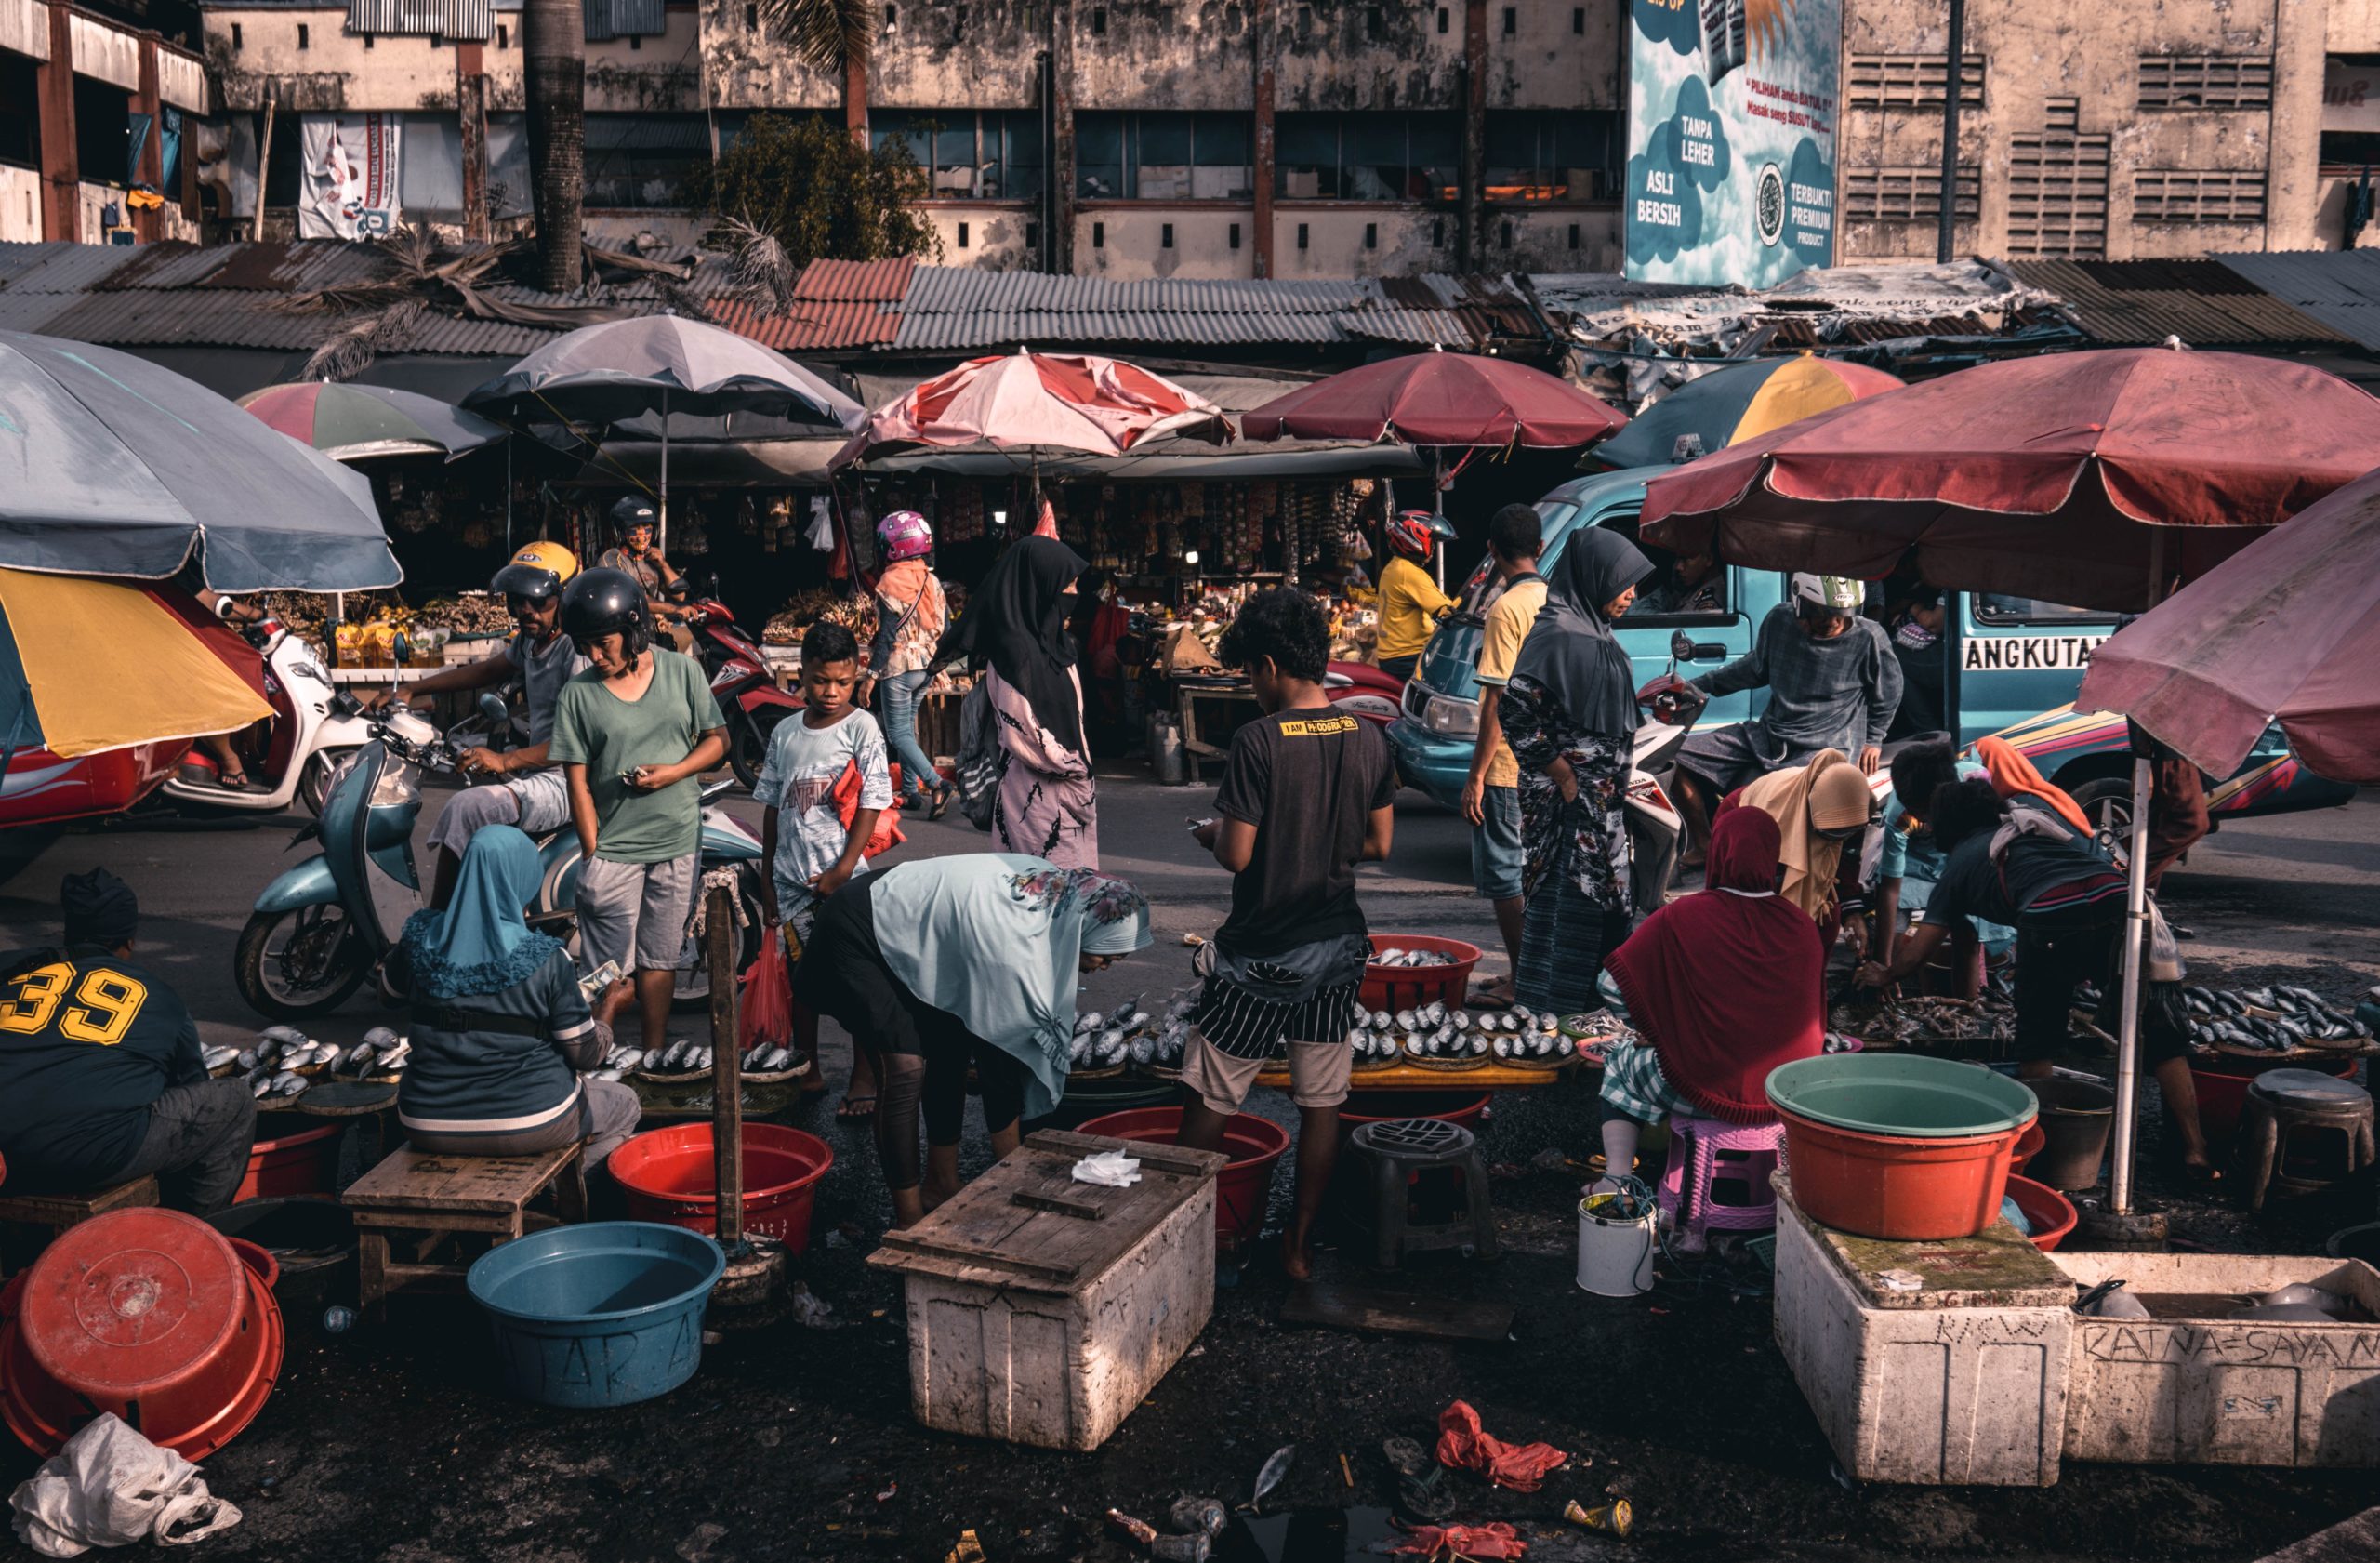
x=855 y=1109
x=943 y=796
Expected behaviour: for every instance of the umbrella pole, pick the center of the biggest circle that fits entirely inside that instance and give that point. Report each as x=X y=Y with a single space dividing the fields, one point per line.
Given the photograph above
x=661 y=544
x=2135 y=945
x=1438 y=507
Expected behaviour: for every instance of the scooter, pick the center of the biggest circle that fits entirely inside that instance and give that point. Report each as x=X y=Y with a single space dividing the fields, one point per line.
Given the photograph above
x=308 y=740
x=1362 y=690
x=741 y=681
x=1654 y=825
x=323 y=927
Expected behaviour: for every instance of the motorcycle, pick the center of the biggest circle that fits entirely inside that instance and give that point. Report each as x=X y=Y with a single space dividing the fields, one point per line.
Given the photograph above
x=1654 y=825
x=1362 y=690
x=320 y=929
x=741 y=681
x=309 y=739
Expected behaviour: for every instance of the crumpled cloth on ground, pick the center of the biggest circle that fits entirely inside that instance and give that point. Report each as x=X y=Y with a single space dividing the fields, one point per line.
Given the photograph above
x=1444 y=1544
x=1464 y=1445
x=111 y=1487
x=1111 y=1168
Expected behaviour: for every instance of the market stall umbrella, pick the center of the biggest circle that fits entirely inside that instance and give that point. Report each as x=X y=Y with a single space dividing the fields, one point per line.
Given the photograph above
x=2066 y=478
x=2289 y=627
x=1438 y=398
x=169 y=669
x=663 y=364
x=1024 y=403
x=1741 y=401
x=111 y=466
x=359 y=422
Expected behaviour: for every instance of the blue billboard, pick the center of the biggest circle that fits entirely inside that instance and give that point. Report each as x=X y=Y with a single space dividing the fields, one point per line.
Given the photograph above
x=1731 y=109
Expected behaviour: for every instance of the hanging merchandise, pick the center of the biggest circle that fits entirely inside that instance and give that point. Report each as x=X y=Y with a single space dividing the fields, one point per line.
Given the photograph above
x=748 y=517
x=822 y=524
x=688 y=533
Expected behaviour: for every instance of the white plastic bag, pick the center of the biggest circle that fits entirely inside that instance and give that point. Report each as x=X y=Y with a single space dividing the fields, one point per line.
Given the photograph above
x=1111 y=1168
x=111 y=1487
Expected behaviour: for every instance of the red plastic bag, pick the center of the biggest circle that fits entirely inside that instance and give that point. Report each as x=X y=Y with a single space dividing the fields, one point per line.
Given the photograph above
x=887 y=833
x=1466 y=1446
x=1470 y=1543
x=765 y=1016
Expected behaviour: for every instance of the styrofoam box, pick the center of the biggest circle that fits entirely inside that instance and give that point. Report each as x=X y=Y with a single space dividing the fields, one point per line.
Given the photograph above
x=1963 y=1381
x=2215 y=1392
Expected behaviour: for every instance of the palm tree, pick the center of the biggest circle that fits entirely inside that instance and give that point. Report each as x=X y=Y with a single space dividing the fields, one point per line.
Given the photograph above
x=823 y=35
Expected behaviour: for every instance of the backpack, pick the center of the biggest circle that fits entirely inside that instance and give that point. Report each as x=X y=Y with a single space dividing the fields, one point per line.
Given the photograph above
x=982 y=759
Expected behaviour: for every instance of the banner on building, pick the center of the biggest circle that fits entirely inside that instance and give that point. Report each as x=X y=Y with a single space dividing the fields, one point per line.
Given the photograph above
x=1731 y=110
x=348 y=188
x=2350 y=96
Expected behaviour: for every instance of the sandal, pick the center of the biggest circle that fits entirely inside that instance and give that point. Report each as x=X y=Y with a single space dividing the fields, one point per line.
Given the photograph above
x=855 y=1109
x=943 y=796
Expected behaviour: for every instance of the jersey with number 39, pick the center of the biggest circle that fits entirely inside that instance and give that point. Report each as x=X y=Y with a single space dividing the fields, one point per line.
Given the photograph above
x=87 y=1041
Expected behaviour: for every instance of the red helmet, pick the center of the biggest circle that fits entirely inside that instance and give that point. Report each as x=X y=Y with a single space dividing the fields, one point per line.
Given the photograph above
x=1411 y=533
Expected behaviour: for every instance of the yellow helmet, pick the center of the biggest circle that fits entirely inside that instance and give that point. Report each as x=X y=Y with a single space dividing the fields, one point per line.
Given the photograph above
x=536 y=571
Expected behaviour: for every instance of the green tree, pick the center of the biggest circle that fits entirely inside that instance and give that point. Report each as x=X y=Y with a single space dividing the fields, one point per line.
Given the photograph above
x=792 y=190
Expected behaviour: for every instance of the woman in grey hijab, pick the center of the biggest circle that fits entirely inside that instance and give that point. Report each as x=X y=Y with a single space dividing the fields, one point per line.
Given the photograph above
x=1570 y=716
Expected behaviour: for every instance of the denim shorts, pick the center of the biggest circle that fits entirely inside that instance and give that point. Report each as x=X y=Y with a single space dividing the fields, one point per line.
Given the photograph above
x=1496 y=846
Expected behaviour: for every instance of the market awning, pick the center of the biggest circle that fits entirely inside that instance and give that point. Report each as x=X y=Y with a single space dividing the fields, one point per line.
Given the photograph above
x=168 y=671
x=1311 y=459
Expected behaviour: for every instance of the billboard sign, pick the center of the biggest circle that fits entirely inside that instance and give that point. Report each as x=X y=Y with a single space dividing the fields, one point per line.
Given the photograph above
x=1731 y=109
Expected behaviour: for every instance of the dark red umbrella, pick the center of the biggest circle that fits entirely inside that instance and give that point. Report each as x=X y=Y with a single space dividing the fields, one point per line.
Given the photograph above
x=2067 y=478
x=1438 y=399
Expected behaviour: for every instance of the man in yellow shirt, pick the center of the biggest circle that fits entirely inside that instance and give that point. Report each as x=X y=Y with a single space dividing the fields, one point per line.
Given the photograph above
x=1491 y=798
x=1410 y=603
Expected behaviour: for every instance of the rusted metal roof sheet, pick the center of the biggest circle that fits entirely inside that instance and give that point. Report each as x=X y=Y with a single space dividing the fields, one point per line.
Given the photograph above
x=813 y=324
x=2205 y=303
x=2340 y=288
x=59 y=267
x=885 y=281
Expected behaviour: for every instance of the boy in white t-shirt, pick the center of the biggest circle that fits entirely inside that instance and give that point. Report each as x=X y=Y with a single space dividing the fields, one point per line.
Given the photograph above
x=810 y=851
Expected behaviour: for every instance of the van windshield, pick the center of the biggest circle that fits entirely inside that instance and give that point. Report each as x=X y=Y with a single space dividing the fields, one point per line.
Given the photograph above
x=1996 y=607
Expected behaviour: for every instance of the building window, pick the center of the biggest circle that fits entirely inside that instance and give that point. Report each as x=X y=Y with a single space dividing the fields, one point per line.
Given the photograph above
x=635 y=42
x=1099 y=235
x=1099 y=21
x=1165 y=236
x=891 y=18
x=1302 y=235
x=1368 y=156
x=1552 y=154
x=958 y=24
x=2057 y=196
x=235 y=35
x=1511 y=21
x=1507 y=234
x=1579 y=26
x=436 y=42
x=367 y=39
x=503 y=36
x=643 y=160
x=1235 y=235
x=2062 y=114
x=1371 y=236
x=304 y=42
x=752 y=19
x=1910 y=80
x=1574 y=235
x=994 y=155
x=2198 y=195
x=2205 y=81
x=1442 y=21
x=1163 y=157
x=1372 y=24
x=963 y=235
x=1437 y=232
x=1907 y=194
x=1033 y=237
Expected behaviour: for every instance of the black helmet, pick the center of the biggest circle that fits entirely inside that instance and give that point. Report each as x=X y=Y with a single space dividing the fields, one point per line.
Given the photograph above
x=602 y=601
x=630 y=514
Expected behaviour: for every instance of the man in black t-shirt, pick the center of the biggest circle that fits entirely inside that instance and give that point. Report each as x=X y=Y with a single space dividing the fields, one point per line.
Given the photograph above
x=1305 y=797
x=101 y=1080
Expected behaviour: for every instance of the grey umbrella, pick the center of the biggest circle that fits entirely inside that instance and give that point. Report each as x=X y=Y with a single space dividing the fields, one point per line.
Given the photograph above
x=111 y=466
x=660 y=363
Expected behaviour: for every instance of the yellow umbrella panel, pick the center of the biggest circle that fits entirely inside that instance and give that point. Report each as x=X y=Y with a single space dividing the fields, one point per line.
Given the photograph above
x=88 y=665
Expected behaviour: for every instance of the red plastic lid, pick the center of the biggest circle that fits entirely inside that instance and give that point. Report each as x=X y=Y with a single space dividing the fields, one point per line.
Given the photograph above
x=133 y=1301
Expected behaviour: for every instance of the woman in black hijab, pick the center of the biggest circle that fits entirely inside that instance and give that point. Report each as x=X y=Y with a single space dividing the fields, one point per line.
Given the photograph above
x=1570 y=716
x=1016 y=622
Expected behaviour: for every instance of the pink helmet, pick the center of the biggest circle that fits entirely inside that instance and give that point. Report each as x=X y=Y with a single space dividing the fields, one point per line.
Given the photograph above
x=903 y=535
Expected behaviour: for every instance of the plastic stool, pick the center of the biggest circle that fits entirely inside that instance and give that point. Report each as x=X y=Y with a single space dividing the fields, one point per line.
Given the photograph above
x=1718 y=1173
x=2282 y=1103
x=1396 y=1159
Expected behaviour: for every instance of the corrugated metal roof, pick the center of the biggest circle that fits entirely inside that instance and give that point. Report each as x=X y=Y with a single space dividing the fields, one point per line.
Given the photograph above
x=607 y=19
x=59 y=267
x=2340 y=288
x=2142 y=302
x=811 y=326
x=850 y=280
x=427 y=19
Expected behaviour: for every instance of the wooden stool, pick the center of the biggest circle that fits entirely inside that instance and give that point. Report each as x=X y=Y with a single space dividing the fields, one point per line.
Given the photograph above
x=442 y=1196
x=2282 y=1103
x=58 y=1211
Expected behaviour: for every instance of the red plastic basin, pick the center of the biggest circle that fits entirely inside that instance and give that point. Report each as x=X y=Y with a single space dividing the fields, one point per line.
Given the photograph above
x=1253 y=1144
x=1403 y=988
x=305 y=1162
x=1461 y=1108
x=2052 y=1214
x=1895 y=1187
x=152 y=1315
x=672 y=1174
x=2221 y=1095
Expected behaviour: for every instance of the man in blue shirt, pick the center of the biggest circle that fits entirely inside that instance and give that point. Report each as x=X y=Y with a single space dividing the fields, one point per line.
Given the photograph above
x=1910 y=863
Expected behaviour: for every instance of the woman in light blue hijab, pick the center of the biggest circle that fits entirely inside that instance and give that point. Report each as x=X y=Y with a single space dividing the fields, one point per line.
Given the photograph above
x=499 y=1026
x=935 y=964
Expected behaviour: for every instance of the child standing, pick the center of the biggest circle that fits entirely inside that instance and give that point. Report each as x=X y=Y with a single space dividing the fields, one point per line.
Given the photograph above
x=810 y=851
x=1306 y=796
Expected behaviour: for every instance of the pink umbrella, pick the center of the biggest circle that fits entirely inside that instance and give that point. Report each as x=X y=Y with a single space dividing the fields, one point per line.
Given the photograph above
x=1440 y=399
x=2289 y=626
x=1030 y=401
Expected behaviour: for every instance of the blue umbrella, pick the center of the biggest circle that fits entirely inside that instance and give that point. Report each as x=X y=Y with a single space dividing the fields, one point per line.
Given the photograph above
x=111 y=466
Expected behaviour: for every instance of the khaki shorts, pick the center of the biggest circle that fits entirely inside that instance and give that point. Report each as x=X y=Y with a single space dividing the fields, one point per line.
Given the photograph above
x=1317 y=1074
x=635 y=913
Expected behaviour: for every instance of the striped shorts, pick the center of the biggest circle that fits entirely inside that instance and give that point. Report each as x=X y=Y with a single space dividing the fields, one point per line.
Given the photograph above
x=1242 y=1014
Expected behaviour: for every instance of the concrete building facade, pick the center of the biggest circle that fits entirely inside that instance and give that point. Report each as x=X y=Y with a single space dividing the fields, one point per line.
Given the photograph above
x=94 y=104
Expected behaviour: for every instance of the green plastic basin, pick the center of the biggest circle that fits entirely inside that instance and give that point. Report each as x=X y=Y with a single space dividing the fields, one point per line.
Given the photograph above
x=1900 y=1094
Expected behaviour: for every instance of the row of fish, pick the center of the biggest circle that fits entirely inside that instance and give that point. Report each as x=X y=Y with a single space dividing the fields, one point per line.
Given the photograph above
x=1436 y=1031
x=1402 y=958
x=283 y=1057
x=686 y=1057
x=2293 y=1018
x=1131 y=1034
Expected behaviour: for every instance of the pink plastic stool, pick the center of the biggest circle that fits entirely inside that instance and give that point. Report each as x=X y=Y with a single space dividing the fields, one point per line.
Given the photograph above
x=1728 y=1190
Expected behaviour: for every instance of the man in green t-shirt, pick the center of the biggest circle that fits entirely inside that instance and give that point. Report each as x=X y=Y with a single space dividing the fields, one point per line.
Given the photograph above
x=632 y=733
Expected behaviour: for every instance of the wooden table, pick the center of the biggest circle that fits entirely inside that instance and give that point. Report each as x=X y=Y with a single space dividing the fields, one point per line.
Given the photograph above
x=1186 y=698
x=1491 y=1075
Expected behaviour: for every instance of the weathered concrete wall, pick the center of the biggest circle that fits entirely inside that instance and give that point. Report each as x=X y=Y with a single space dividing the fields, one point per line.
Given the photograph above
x=924 y=60
x=2352 y=27
x=335 y=71
x=1167 y=54
x=1335 y=241
x=20 y=205
x=1541 y=239
x=1329 y=57
x=1556 y=59
x=743 y=68
x=1134 y=246
x=994 y=236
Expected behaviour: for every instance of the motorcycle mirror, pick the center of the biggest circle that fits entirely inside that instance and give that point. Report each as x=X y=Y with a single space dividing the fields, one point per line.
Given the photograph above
x=1681 y=646
x=492 y=708
x=402 y=648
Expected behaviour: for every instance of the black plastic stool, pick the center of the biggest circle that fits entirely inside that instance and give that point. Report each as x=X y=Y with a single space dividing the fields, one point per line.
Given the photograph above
x=1402 y=1158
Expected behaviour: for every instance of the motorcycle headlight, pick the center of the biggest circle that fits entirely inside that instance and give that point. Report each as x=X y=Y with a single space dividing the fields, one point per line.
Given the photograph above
x=399 y=782
x=1451 y=717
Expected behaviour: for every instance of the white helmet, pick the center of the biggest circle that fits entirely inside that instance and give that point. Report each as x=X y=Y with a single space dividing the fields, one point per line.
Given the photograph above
x=1840 y=594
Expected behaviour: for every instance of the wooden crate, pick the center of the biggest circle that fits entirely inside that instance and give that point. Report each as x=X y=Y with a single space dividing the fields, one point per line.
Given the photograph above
x=1042 y=1310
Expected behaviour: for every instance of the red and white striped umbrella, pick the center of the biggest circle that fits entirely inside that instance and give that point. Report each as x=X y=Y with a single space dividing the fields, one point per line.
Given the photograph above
x=1029 y=400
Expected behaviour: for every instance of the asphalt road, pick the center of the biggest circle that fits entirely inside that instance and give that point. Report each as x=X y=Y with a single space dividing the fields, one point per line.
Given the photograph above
x=394 y=1444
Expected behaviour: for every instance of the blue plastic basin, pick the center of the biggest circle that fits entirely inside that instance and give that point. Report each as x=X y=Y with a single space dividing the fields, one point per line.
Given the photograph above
x=607 y=1314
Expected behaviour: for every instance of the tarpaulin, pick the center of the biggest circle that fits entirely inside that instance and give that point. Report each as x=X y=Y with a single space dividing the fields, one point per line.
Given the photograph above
x=91 y=664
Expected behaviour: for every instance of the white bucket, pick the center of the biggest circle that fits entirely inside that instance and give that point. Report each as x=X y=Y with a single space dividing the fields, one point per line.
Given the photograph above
x=1616 y=1252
